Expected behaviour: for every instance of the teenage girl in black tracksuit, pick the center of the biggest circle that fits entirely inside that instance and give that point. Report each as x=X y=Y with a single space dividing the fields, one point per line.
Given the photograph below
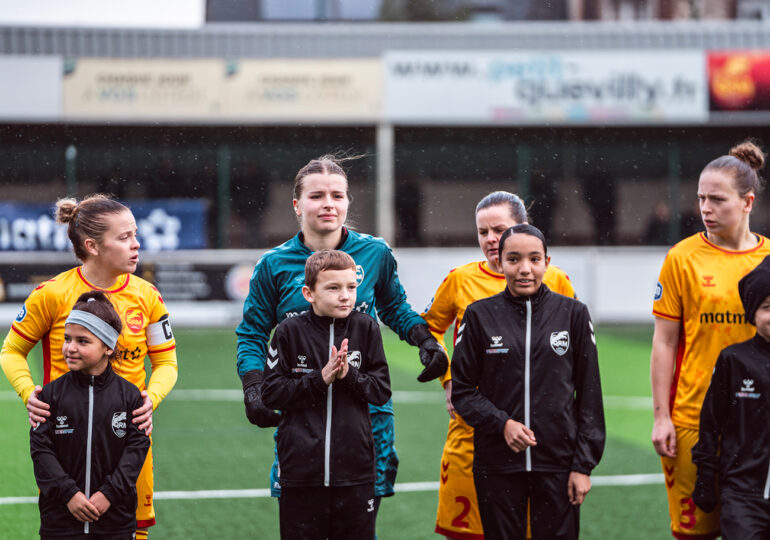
x=733 y=450
x=526 y=377
x=87 y=458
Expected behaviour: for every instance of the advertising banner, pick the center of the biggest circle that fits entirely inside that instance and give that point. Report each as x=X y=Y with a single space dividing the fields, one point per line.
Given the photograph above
x=323 y=90
x=31 y=88
x=142 y=89
x=176 y=281
x=163 y=224
x=541 y=88
x=739 y=80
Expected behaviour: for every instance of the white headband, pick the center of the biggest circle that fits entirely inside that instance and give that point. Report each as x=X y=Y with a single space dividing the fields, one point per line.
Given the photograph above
x=95 y=325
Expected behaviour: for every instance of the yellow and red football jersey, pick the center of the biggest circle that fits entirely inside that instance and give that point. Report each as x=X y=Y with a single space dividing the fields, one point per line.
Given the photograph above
x=698 y=286
x=146 y=330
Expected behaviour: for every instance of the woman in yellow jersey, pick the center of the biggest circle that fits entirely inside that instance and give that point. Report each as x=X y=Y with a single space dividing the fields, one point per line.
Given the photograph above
x=697 y=314
x=458 y=513
x=103 y=235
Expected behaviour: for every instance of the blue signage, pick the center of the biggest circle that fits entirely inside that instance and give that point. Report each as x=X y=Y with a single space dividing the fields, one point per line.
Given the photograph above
x=164 y=225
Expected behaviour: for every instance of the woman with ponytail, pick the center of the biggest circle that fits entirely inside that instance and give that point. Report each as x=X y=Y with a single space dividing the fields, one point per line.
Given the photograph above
x=698 y=312
x=103 y=235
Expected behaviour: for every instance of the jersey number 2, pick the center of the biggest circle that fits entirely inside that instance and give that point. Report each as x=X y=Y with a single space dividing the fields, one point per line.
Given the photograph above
x=459 y=521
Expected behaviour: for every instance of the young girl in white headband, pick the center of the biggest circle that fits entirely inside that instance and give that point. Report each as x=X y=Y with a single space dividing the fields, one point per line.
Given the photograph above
x=87 y=457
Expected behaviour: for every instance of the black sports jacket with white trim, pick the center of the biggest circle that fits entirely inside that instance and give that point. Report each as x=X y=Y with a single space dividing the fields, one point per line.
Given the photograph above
x=532 y=359
x=90 y=424
x=734 y=438
x=325 y=434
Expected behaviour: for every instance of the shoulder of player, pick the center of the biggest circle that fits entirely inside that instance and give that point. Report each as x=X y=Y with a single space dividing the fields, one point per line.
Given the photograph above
x=555 y=271
x=687 y=246
x=357 y=241
x=56 y=284
x=143 y=288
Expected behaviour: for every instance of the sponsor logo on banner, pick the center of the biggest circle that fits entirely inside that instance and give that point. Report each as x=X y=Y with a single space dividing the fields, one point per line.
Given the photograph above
x=164 y=224
x=739 y=80
x=530 y=87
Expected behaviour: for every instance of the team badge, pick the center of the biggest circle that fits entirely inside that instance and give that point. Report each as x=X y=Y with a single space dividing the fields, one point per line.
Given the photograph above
x=22 y=313
x=658 y=291
x=359 y=274
x=119 y=424
x=560 y=342
x=135 y=320
x=354 y=359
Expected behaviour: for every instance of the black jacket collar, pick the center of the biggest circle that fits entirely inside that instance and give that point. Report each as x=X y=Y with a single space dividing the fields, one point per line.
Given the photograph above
x=325 y=322
x=520 y=301
x=99 y=380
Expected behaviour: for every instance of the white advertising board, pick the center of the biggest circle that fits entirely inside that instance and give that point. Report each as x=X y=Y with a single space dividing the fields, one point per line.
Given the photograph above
x=31 y=88
x=543 y=88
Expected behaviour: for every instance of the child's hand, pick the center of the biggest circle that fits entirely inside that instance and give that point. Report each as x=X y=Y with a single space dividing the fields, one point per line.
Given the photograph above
x=518 y=436
x=82 y=508
x=332 y=367
x=342 y=355
x=101 y=502
x=578 y=486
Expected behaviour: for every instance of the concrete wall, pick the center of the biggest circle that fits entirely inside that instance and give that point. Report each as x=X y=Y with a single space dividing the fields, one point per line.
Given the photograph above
x=617 y=283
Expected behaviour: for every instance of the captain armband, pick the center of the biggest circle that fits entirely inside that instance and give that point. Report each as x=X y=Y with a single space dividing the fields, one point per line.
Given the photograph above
x=159 y=333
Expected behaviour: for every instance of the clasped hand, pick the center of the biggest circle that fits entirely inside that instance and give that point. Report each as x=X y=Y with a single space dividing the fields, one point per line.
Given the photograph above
x=337 y=366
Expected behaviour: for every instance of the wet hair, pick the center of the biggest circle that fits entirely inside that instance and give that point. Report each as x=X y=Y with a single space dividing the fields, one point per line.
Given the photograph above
x=523 y=228
x=86 y=219
x=326 y=259
x=326 y=164
x=742 y=165
x=514 y=203
x=97 y=303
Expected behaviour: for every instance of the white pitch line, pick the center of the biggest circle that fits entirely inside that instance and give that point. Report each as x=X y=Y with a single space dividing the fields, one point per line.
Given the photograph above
x=633 y=403
x=616 y=480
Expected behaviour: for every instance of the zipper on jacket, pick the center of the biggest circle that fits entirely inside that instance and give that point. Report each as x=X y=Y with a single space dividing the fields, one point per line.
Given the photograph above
x=527 y=346
x=88 y=444
x=327 y=442
x=767 y=483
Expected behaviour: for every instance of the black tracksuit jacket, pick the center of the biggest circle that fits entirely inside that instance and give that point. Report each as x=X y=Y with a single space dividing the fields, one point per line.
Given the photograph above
x=325 y=434
x=90 y=422
x=734 y=437
x=532 y=359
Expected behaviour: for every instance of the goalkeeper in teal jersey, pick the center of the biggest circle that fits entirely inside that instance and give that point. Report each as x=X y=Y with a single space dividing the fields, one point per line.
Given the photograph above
x=275 y=292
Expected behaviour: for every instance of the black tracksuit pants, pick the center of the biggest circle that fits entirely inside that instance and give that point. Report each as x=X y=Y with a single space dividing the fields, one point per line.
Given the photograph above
x=503 y=506
x=336 y=513
x=744 y=517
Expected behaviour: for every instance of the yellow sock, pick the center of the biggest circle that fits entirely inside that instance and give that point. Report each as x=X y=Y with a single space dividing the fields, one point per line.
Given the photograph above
x=141 y=534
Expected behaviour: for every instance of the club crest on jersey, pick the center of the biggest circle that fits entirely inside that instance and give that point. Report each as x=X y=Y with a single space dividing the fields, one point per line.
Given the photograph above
x=708 y=281
x=135 y=320
x=22 y=313
x=658 y=291
x=560 y=342
x=119 y=424
x=354 y=359
x=359 y=274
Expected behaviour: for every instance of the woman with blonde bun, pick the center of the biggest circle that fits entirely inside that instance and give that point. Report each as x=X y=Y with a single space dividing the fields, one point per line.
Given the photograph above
x=103 y=234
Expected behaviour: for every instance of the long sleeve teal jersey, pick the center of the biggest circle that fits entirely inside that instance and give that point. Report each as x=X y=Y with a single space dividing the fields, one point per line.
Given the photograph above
x=275 y=293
